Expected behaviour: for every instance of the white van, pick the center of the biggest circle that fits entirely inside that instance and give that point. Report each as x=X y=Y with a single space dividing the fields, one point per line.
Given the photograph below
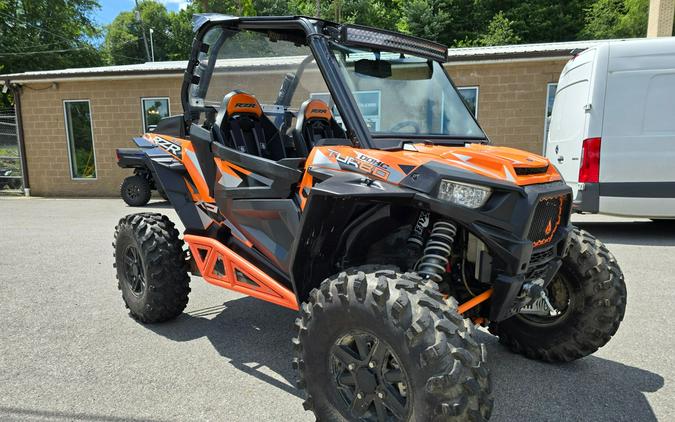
x=612 y=128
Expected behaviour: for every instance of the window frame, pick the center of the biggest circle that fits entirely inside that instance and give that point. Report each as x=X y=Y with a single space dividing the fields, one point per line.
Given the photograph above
x=168 y=109
x=68 y=140
x=546 y=121
x=475 y=87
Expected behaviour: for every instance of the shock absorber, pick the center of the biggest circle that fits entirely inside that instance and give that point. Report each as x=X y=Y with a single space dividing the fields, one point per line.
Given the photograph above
x=416 y=239
x=437 y=250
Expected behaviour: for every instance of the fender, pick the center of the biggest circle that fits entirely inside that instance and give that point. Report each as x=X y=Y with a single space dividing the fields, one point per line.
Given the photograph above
x=332 y=207
x=169 y=175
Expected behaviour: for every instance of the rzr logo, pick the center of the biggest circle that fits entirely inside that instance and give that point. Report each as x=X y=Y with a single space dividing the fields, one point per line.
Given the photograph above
x=170 y=147
x=244 y=105
x=319 y=110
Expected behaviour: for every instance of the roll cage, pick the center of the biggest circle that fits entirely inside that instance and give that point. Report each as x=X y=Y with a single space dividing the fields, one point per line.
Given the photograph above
x=316 y=34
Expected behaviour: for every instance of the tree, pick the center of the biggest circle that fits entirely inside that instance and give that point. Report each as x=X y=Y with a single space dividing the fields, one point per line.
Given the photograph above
x=499 y=32
x=380 y=13
x=544 y=20
x=228 y=7
x=124 y=36
x=428 y=19
x=270 y=7
x=46 y=34
x=180 y=28
x=616 y=19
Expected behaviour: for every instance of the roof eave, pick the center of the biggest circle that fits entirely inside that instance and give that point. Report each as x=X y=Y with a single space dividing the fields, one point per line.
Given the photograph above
x=551 y=54
x=23 y=78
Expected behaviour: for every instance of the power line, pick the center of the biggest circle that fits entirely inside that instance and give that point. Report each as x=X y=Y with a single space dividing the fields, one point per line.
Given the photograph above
x=49 y=44
x=42 y=52
x=37 y=27
x=83 y=45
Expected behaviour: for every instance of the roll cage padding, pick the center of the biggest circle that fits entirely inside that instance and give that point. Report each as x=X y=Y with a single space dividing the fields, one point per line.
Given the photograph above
x=241 y=124
x=315 y=122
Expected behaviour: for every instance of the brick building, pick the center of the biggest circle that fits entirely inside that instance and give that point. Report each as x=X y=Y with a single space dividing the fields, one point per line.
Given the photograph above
x=511 y=89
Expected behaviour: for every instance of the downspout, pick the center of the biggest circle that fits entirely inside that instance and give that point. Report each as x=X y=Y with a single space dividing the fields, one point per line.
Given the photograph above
x=16 y=91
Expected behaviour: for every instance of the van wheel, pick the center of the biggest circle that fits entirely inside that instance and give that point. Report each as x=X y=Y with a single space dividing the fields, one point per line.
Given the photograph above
x=589 y=294
x=377 y=345
x=135 y=191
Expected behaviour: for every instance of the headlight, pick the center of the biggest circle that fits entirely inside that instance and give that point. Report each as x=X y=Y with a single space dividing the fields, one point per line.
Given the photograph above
x=471 y=196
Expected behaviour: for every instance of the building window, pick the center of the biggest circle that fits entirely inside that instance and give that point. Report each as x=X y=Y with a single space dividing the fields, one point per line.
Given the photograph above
x=550 y=97
x=80 y=139
x=470 y=96
x=154 y=110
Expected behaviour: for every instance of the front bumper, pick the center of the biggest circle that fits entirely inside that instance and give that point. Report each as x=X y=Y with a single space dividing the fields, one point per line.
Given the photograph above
x=544 y=263
x=504 y=224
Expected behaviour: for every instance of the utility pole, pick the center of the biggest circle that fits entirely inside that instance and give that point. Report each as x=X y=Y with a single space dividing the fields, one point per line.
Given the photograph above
x=152 y=45
x=140 y=22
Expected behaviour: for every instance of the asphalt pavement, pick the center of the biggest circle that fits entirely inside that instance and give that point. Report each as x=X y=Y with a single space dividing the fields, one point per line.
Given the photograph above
x=69 y=350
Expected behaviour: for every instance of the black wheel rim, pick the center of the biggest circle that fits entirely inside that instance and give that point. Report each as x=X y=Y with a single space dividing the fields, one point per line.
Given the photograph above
x=133 y=271
x=560 y=295
x=369 y=378
x=133 y=191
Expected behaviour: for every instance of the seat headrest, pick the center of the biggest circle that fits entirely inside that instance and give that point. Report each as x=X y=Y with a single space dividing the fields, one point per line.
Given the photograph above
x=315 y=109
x=237 y=102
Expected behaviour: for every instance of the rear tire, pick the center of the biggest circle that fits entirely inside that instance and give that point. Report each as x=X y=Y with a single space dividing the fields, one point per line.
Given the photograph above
x=426 y=366
x=594 y=292
x=152 y=270
x=135 y=191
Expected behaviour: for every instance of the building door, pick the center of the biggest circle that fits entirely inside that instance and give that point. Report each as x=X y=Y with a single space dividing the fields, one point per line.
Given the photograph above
x=11 y=173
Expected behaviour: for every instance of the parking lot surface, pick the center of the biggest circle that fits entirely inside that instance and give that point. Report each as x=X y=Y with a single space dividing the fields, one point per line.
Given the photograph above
x=69 y=350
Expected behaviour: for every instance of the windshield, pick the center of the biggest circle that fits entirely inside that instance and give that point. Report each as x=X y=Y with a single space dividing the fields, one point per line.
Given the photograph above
x=400 y=95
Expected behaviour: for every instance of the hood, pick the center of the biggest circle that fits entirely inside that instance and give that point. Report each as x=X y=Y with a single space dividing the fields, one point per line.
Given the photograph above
x=500 y=163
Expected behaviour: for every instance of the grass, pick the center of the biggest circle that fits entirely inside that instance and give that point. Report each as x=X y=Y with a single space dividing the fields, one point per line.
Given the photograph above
x=9 y=151
x=12 y=163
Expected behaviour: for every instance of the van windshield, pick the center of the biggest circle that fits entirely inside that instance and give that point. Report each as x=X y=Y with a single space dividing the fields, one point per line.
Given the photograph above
x=403 y=96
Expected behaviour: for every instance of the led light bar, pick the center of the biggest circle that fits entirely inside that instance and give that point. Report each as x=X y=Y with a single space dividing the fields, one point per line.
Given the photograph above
x=389 y=40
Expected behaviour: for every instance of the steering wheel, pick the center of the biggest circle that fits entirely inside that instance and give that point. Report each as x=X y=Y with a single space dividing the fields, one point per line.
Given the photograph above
x=400 y=125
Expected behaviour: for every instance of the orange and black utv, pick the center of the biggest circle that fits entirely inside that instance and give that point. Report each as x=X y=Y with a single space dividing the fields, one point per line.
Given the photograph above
x=335 y=170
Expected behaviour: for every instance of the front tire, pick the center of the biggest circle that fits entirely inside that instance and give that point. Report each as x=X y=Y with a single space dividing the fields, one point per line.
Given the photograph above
x=590 y=292
x=135 y=191
x=152 y=270
x=374 y=344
